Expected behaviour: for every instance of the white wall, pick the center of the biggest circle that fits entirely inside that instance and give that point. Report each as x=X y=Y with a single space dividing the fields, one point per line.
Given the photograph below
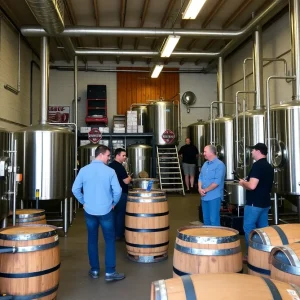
x=15 y=109
x=205 y=88
x=61 y=90
x=276 y=42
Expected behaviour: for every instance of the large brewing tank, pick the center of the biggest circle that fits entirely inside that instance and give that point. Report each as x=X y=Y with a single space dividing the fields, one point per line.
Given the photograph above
x=43 y=156
x=197 y=132
x=142 y=116
x=87 y=154
x=285 y=148
x=163 y=121
x=223 y=139
x=255 y=133
x=139 y=159
x=4 y=199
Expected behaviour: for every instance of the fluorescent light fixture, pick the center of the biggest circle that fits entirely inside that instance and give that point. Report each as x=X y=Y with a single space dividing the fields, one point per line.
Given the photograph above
x=193 y=9
x=169 y=45
x=156 y=71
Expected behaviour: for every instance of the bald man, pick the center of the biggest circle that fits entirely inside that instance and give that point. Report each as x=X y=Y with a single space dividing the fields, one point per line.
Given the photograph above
x=211 y=186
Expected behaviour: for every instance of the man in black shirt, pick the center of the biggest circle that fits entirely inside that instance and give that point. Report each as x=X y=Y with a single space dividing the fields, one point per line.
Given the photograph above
x=124 y=180
x=258 y=187
x=189 y=154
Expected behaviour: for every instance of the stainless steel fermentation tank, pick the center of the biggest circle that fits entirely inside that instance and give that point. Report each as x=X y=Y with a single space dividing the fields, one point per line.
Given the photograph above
x=285 y=149
x=87 y=154
x=4 y=197
x=198 y=134
x=139 y=159
x=44 y=155
x=164 y=117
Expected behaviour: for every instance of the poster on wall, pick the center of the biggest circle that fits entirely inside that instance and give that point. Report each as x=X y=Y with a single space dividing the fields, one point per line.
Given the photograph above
x=59 y=114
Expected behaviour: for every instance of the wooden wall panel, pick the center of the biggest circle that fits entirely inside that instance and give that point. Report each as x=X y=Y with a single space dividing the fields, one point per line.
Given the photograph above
x=138 y=87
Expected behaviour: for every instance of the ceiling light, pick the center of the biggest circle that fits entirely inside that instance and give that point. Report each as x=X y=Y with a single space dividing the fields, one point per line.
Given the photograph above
x=169 y=45
x=156 y=71
x=192 y=9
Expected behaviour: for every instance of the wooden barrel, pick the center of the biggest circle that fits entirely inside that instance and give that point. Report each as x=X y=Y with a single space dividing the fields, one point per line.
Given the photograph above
x=285 y=263
x=29 y=216
x=262 y=241
x=222 y=286
x=147 y=226
x=29 y=262
x=207 y=249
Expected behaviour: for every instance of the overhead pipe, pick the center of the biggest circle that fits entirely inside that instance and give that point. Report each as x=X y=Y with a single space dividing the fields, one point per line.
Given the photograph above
x=49 y=14
x=295 y=42
x=44 y=57
x=78 y=31
x=220 y=82
x=258 y=69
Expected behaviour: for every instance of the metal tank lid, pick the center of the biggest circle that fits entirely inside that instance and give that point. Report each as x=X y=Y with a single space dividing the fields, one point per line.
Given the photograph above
x=254 y=112
x=139 y=146
x=224 y=119
x=199 y=122
x=286 y=105
x=45 y=127
x=90 y=145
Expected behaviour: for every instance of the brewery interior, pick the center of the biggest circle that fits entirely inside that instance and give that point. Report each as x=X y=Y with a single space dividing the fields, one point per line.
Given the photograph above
x=142 y=75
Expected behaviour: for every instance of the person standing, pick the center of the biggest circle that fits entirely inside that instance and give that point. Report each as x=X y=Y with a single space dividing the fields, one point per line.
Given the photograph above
x=258 y=185
x=189 y=154
x=211 y=186
x=124 y=180
x=97 y=188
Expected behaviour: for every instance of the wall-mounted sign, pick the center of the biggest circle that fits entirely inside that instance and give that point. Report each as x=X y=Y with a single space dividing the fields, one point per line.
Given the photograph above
x=95 y=136
x=59 y=114
x=168 y=136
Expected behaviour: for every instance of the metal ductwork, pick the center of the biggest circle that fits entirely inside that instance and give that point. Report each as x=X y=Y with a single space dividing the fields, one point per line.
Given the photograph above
x=295 y=42
x=49 y=14
x=221 y=91
x=142 y=32
x=258 y=69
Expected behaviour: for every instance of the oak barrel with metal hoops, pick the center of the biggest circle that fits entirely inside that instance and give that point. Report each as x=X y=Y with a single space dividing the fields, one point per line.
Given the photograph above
x=147 y=226
x=207 y=249
x=285 y=263
x=29 y=216
x=29 y=262
x=222 y=286
x=263 y=240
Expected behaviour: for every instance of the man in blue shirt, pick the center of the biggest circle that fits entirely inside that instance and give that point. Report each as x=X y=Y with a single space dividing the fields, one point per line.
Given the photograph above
x=101 y=193
x=211 y=186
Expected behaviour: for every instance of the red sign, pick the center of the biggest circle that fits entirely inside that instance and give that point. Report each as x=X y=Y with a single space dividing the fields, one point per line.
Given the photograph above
x=59 y=114
x=95 y=136
x=168 y=136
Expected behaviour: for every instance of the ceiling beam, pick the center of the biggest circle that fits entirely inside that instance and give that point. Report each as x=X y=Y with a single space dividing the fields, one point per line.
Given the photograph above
x=62 y=48
x=96 y=12
x=143 y=17
x=207 y=20
x=71 y=15
x=122 y=20
x=231 y=19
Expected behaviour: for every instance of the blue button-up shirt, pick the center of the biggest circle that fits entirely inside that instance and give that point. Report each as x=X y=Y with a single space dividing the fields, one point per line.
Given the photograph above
x=97 y=188
x=213 y=172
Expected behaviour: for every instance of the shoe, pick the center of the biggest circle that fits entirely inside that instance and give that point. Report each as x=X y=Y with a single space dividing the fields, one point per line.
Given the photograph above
x=114 y=276
x=94 y=274
x=245 y=259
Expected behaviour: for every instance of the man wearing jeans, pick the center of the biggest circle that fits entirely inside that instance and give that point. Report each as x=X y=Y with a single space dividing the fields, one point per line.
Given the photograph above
x=258 y=187
x=124 y=180
x=211 y=186
x=101 y=192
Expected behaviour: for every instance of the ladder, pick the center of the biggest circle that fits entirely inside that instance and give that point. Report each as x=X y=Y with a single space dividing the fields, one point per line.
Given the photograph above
x=169 y=171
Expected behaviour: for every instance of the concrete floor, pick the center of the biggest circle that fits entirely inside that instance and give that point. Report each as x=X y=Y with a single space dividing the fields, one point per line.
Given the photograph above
x=75 y=284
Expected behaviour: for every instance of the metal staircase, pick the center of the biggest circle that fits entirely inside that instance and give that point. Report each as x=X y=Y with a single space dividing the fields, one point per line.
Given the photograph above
x=169 y=171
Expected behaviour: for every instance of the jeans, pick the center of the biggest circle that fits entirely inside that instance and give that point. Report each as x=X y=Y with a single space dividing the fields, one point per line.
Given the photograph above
x=211 y=212
x=119 y=213
x=254 y=217
x=108 y=229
